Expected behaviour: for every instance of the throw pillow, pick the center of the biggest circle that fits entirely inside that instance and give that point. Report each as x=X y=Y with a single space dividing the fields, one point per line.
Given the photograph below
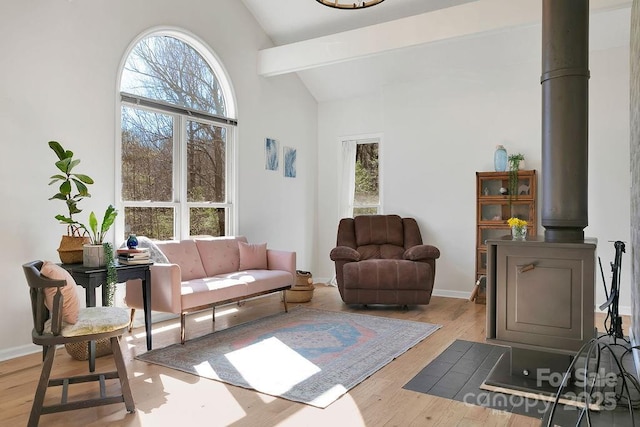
x=70 y=305
x=253 y=256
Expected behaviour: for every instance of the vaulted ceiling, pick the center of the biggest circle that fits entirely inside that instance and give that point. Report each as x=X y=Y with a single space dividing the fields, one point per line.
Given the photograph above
x=350 y=53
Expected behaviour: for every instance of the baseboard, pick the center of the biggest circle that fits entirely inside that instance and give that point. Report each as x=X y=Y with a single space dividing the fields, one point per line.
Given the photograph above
x=23 y=350
x=623 y=310
x=325 y=280
x=450 y=294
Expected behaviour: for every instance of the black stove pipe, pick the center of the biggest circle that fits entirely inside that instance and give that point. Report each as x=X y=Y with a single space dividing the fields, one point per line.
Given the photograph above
x=565 y=98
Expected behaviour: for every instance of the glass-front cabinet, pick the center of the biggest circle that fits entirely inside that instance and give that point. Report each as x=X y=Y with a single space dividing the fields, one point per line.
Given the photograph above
x=495 y=205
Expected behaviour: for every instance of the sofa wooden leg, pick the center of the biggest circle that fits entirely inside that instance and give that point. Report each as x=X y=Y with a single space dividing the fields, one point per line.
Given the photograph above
x=213 y=314
x=183 y=321
x=133 y=312
x=284 y=299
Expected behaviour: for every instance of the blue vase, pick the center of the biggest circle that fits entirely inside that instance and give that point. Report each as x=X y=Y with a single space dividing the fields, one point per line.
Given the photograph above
x=500 y=159
x=132 y=241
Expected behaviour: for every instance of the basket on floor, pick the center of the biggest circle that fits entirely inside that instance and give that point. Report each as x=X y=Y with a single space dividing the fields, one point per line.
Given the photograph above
x=80 y=350
x=302 y=291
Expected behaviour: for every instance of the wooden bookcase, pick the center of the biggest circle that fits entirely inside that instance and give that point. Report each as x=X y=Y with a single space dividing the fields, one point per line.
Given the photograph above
x=493 y=209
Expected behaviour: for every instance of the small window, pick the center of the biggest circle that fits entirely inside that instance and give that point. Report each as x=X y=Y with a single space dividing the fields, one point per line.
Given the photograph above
x=360 y=178
x=367 y=186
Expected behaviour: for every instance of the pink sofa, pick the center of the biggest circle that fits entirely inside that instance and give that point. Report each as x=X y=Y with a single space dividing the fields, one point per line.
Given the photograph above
x=205 y=272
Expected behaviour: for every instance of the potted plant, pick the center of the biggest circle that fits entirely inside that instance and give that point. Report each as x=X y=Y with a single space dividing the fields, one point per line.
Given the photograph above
x=70 y=249
x=93 y=254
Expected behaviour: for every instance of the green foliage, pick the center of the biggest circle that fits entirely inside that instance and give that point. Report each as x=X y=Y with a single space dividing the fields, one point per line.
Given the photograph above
x=514 y=166
x=68 y=180
x=112 y=274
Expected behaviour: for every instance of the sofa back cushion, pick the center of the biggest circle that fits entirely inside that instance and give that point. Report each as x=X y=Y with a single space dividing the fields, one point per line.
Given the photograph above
x=253 y=256
x=379 y=230
x=379 y=236
x=186 y=255
x=220 y=255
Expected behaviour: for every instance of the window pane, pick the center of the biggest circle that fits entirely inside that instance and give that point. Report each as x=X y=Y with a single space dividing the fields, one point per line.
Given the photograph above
x=364 y=211
x=155 y=223
x=147 y=155
x=167 y=69
x=367 y=190
x=206 y=157
x=207 y=221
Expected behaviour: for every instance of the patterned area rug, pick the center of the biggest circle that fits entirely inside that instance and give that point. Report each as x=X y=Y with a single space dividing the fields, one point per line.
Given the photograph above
x=307 y=355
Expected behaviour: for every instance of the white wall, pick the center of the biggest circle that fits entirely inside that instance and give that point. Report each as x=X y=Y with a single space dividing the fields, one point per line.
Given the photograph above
x=58 y=76
x=440 y=129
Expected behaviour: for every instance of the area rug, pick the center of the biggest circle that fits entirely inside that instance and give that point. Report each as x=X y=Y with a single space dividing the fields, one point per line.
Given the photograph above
x=307 y=355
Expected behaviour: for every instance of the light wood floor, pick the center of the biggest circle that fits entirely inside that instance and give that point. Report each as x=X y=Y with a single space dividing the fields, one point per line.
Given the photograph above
x=166 y=397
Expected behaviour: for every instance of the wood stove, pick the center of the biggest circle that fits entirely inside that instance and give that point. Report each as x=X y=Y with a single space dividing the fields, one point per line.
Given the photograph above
x=541 y=292
x=540 y=301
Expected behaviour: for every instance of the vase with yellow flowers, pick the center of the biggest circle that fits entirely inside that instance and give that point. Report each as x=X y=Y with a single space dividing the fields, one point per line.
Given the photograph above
x=518 y=228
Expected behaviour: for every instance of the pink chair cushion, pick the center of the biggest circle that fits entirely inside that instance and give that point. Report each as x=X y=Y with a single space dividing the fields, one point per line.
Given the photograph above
x=253 y=256
x=70 y=305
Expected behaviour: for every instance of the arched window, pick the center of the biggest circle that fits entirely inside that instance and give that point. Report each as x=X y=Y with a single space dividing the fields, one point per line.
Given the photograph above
x=177 y=122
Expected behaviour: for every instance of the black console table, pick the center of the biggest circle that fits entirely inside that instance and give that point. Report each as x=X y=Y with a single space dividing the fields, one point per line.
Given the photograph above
x=92 y=277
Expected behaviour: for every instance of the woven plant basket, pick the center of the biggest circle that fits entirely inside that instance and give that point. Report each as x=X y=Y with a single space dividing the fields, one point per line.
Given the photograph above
x=70 y=249
x=300 y=293
x=80 y=350
x=303 y=278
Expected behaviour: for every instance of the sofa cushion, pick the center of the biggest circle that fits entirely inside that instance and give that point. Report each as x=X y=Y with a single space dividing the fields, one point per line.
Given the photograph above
x=379 y=230
x=387 y=274
x=211 y=290
x=219 y=255
x=186 y=255
x=70 y=303
x=253 y=256
x=263 y=280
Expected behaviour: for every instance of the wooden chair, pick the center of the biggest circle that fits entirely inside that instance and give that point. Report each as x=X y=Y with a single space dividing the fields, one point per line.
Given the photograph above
x=49 y=331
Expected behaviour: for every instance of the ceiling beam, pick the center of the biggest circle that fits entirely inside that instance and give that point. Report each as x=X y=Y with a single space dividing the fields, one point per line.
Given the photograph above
x=459 y=21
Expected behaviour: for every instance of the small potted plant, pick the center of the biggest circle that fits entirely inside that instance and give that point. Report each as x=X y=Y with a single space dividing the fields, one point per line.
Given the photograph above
x=518 y=228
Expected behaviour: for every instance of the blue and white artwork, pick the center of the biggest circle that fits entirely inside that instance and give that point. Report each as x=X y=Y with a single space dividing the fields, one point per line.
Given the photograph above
x=289 y=162
x=272 y=154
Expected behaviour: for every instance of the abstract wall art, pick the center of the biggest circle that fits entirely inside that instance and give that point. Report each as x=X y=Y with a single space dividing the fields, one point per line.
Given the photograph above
x=271 y=154
x=289 y=155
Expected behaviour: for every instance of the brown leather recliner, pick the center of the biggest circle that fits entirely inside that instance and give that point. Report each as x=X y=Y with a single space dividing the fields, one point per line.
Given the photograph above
x=380 y=259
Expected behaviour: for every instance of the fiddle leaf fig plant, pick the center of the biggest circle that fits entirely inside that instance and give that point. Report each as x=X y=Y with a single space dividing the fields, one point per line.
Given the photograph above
x=72 y=189
x=69 y=180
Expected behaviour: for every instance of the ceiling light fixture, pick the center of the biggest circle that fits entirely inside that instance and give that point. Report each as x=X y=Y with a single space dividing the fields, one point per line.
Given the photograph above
x=349 y=5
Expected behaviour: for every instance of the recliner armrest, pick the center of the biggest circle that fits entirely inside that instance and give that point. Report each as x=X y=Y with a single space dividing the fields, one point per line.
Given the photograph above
x=344 y=253
x=421 y=252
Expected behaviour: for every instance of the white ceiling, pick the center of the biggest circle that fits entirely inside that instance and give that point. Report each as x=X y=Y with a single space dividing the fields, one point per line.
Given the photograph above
x=288 y=21
x=303 y=25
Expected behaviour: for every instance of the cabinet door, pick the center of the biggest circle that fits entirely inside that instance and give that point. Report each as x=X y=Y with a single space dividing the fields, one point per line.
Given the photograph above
x=498 y=212
x=489 y=186
x=481 y=263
